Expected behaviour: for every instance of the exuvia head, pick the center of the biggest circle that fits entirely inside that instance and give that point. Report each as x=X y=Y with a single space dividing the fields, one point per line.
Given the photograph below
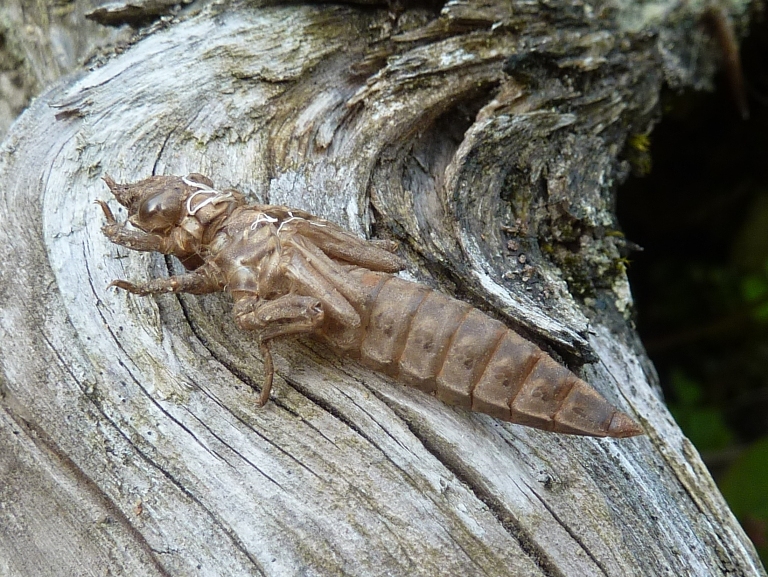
x=159 y=203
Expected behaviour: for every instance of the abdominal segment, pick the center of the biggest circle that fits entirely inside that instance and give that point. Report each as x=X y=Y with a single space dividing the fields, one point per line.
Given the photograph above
x=448 y=348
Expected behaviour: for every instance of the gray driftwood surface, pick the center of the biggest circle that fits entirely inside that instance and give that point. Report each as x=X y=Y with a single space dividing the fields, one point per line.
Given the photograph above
x=489 y=140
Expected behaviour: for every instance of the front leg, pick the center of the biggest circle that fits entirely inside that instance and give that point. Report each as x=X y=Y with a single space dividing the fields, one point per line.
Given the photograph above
x=201 y=281
x=133 y=239
x=288 y=315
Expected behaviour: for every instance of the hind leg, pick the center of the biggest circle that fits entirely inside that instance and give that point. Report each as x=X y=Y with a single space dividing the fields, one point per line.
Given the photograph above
x=288 y=315
x=341 y=245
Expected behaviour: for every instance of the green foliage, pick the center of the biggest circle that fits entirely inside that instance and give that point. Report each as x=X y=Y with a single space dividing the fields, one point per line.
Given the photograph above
x=745 y=487
x=754 y=291
x=704 y=425
x=753 y=287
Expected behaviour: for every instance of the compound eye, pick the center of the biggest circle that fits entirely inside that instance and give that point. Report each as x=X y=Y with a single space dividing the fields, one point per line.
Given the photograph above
x=160 y=212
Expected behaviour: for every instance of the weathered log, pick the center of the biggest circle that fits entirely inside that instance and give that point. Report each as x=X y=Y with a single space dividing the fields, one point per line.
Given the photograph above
x=487 y=139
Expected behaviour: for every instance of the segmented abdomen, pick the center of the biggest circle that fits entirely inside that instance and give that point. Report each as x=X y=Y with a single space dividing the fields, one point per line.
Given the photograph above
x=448 y=348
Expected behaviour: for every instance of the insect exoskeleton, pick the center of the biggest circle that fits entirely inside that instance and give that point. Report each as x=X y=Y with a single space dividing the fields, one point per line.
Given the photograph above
x=291 y=274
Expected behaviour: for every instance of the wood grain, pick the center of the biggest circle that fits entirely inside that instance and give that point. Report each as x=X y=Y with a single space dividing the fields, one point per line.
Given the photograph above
x=130 y=442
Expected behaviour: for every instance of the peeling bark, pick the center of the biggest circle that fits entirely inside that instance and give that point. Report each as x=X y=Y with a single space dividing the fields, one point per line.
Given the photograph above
x=488 y=139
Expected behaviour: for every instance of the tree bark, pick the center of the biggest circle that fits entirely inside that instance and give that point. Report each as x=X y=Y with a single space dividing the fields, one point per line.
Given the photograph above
x=489 y=139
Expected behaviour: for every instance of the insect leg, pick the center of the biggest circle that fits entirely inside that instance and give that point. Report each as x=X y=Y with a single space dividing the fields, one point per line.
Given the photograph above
x=133 y=239
x=333 y=271
x=345 y=246
x=285 y=316
x=387 y=245
x=269 y=373
x=319 y=277
x=201 y=281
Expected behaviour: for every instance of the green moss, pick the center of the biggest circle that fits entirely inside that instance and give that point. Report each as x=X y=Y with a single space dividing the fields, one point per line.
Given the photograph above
x=590 y=267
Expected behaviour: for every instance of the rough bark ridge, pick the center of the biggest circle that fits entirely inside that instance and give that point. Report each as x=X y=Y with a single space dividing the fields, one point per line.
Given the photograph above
x=40 y=42
x=487 y=138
